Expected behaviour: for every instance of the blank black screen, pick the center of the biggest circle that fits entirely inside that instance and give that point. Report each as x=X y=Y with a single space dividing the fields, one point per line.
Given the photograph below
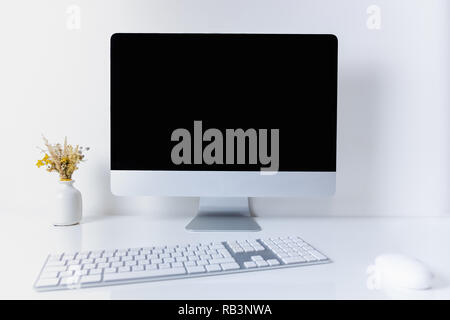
x=161 y=82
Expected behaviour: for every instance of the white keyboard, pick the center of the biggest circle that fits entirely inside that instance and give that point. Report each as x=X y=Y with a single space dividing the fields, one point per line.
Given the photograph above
x=118 y=266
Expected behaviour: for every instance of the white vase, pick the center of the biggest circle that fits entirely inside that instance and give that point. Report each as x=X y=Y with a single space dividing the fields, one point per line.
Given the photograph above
x=68 y=209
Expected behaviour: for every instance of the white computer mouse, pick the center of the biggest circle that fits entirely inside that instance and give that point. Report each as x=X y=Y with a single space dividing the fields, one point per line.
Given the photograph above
x=397 y=270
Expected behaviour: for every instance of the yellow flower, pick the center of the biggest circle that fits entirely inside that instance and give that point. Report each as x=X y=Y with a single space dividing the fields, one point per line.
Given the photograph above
x=45 y=159
x=39 y=163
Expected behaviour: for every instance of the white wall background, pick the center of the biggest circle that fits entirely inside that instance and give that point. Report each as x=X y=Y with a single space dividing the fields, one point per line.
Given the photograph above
x=393 y=111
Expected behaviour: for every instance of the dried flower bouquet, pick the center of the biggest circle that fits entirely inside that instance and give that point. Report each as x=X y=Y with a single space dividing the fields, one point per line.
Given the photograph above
x=62 y=159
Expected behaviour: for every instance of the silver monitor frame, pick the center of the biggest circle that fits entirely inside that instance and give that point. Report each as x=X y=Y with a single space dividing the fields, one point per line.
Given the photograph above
x=223 y=194
x=222 y=183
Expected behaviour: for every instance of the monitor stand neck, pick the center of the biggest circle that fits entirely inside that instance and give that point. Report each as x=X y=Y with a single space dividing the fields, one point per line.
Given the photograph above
x=223 y=214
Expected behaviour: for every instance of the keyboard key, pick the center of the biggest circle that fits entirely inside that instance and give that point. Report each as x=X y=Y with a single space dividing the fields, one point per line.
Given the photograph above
x=190 y=264
x=114 y=259
x=223 y=251
x=318 y=255
x=120 y=253
x=257 y=258
x=221 y=260
x=47 y=283
x=80 y=273
x=309 y=258
x=229 y=266
x=49 y=275
x=197 y=269
x=294 y=254
x=180 y=259
x=95 y=271
x=55 y=268
x=202 y=262
x=66 y=274
x=110 y=270
x=213 y=267
x=103 y=265
x=137 y=268
x=177 y=264
x=70 y=280
x=290 y=260
x=153 y=261
x=124 y=269
x=73 y=262
x=261 y=263
x=237 y=249
x=87 y=261
x=91 y=279
x=250 y=264
x=143 y=274
x=273 y=262
x=56 y=263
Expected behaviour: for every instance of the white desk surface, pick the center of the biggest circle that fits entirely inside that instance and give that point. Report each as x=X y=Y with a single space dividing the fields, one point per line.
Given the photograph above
x=352 y=243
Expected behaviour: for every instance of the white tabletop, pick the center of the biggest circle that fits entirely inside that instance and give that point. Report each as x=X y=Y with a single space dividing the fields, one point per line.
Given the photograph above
x=352 y=244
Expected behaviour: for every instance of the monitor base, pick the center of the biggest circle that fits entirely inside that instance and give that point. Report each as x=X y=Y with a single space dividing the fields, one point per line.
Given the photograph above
x=223 y=215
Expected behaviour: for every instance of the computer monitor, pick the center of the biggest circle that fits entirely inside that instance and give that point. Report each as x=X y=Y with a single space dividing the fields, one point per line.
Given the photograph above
x=223 y=117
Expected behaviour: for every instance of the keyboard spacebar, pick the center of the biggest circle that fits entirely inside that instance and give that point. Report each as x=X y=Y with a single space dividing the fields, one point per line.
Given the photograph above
x=143 y=274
